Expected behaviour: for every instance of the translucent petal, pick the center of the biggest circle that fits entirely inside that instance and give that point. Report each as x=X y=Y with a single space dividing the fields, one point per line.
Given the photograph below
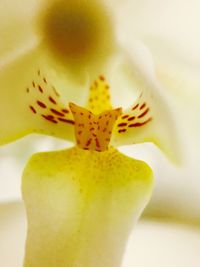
x=81 y=206
x=30 y=102
x=149 y=118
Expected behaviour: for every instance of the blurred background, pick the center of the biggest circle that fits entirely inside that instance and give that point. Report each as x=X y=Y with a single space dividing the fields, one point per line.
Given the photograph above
x=169 y=231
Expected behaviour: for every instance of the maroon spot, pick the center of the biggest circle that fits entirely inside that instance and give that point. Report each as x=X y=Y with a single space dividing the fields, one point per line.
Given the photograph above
x=49 y=118
x=57 y=112
x=102 y=78
x=33 y=83
x=32 y=109
x=136 y=106
x=122 y=124
x=65 y=110
x=88 y=142
x=41 y=104
x=97 y=143
x=66 y=121
x=44 y=79
x=52 y=100
x=144 y=113
x=143 y=106
x=122 y=131
x=125 y=116
x=138 y=124
x=40 y=89
x=131 y=118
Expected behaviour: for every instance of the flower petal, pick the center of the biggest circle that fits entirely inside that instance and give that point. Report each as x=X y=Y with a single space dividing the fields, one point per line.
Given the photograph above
x=81 y=206
x=29 y=101
x=149 y=118
x=16 y=17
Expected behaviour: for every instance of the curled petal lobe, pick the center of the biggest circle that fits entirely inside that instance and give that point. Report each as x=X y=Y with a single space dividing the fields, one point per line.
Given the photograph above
x=81 y=206
x=150 y=117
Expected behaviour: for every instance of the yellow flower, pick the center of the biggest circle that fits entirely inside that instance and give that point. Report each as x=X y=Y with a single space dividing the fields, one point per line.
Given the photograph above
x=82 y=202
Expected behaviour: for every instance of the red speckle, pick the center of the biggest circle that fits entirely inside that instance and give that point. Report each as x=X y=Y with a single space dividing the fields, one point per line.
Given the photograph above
x=49 y=118
x=122 y=131
x=66 y=121
x=79 y=132
x=138 y=124
x=52 y=100
x=125 y=116
x=144 y=113
x=40 y=89
x=88 y=142
x=97 y=143
x=65 y=111
x=32 y=109
x=102 y=78
x=136 y=106
x=122 y=124
x=143 y=106
x=57 y=112
x=131 y=118
x=41 y=104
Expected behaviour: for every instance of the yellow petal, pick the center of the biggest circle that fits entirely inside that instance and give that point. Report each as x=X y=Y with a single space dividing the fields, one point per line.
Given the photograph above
x=81 y=206
x=30 y=102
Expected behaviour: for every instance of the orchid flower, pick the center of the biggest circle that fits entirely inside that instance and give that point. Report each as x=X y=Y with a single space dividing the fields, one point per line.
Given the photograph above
x=82 y=202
